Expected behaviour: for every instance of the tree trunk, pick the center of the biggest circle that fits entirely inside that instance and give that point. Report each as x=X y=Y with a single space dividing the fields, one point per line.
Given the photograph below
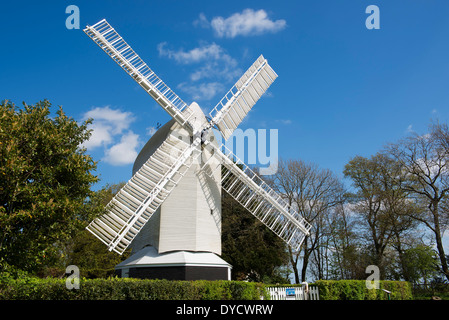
x=405 y=273
x=294 y=264
x=305 y=262
x=438 y=239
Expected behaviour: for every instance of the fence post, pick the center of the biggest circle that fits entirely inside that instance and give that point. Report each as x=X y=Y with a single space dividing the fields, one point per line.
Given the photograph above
x=305 y=287
x=314 y=293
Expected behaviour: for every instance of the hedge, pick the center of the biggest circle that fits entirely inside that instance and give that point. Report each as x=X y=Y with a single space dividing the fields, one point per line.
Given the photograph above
x=113 y=288
x=129 y=289
x=356 y=290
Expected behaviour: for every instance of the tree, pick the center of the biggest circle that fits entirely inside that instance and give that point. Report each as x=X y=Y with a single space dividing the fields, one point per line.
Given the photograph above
x=342 y=245
x=45 y=180
x=84 y=250
x=420 y=264
x=383 y=207
x=440 y=134
x=254 y=251
x=312 y=192
x=425 y=161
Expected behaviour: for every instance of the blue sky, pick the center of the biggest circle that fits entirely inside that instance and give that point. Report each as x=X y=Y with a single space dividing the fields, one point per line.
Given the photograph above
x=342 y=90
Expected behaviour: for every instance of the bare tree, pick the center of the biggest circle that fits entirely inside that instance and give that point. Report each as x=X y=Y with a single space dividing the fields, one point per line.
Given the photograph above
x=425 y=161
x=383 y=207
x=342 y=244
x=311 y=191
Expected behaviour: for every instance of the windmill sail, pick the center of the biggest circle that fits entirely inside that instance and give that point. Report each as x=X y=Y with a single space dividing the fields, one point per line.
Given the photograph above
x=239 y=100
x=136 y=202
x=245 y=186
x=113 y=44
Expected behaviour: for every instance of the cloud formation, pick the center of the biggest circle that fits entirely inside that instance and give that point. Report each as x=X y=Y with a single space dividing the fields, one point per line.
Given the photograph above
x=204 y=52
x=110 y=130
x=124 y=152
x=107 y=122
x=246 y=23
x=202 y=91
x=151 y=131
x=213 y=68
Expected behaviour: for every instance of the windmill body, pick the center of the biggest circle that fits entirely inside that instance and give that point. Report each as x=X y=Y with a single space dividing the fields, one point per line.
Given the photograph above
x=191 y=214
x=169 y=212
x=182 y=240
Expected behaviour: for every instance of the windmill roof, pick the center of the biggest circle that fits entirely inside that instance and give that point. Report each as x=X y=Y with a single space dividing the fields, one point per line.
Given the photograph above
x=149 y=256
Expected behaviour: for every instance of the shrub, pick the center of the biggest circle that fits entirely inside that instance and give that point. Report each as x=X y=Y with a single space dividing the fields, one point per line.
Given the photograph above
x=30 y=288
x=356 y=290
x=25 y=287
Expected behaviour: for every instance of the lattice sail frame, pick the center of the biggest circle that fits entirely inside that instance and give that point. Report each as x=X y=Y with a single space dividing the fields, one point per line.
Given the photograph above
x=239 y=100
x=136 y=202
x=255 y=195
x=139 y=199
x=105 y=36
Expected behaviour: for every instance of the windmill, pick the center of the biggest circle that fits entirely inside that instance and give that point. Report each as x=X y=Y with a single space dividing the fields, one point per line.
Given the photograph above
x=169 y=212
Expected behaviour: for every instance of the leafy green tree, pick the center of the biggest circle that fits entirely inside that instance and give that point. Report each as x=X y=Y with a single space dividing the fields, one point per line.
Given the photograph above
x=253 y=250
x=85 y=251
x=45 y=179
x=420 y=264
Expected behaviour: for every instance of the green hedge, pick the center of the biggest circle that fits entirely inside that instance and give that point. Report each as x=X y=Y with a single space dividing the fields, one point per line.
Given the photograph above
x=33 y=288
x=128 y=289
x=356 y=290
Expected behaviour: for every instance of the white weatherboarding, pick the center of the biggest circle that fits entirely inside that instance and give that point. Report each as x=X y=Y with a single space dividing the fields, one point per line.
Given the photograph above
x=169 y=212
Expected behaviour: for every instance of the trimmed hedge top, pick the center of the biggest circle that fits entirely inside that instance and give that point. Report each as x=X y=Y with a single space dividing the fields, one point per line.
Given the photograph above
x=31 y=288
x=129 y=289
x=356 y=290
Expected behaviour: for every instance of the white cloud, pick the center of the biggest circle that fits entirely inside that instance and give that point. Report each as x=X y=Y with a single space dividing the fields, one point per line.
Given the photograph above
x=284 y=121
x=202 y=21
x=117 y=119
x=202 y=91
x=247 y=23
x=151 y=131
x=123 y=152
x=205 y=52
x=101 y=135
x=224 y=69
x=215 y=66
x=106 y=123
x=109 y=126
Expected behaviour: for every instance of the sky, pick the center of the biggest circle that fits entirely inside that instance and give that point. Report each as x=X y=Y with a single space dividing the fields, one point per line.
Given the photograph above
x=343 y=89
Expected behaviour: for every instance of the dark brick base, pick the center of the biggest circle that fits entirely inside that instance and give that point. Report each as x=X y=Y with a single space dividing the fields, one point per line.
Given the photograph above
x=179 y=273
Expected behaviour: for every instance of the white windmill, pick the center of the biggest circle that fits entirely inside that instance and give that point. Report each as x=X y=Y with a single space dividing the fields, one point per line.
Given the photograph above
x=169 y=212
